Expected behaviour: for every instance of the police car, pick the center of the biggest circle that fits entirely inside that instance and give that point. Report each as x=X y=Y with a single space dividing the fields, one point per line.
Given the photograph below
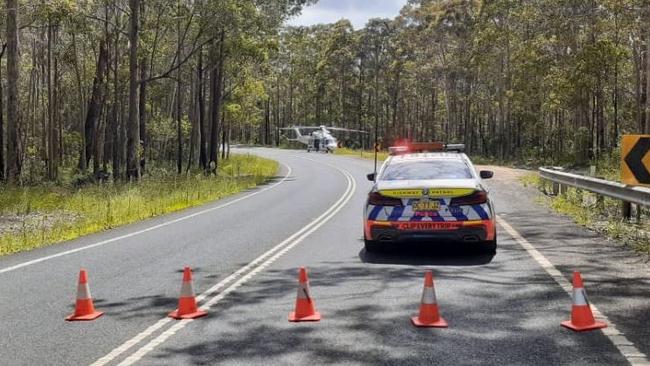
x=429 y=192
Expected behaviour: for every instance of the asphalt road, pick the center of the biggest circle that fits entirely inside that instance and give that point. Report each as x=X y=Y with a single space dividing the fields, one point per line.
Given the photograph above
x=504 y=309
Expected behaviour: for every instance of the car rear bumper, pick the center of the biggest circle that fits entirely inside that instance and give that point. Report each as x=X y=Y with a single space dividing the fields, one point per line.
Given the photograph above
x=458 y=231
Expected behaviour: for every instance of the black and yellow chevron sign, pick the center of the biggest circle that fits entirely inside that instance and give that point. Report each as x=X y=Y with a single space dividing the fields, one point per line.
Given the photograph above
x=635 y=160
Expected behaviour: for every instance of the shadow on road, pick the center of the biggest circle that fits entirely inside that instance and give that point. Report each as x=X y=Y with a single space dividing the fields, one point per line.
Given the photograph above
x=149 y=307
x=364 y=323
x=447 y=254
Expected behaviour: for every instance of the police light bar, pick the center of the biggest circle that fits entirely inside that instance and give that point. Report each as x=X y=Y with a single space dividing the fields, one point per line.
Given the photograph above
x=455 y=147
x=398 y=150
x=426 y=146
x=417 y=147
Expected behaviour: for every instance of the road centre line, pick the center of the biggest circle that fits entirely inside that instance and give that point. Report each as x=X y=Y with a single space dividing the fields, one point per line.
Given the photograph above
x=241 y=276
x=624 y=346
x=180 y=325
x=135 y=233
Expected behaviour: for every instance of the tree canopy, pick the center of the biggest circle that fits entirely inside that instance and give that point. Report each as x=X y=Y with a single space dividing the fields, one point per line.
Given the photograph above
x=110 y=89
x=551 y=80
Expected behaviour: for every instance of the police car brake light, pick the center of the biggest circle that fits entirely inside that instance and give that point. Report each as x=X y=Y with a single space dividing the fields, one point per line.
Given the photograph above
x=475 y=198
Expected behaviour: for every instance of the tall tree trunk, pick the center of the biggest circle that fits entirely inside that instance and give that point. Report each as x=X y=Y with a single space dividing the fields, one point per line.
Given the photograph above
x=133 y=130
x=179 y=130
x=360 y=104
x=43 y=102
x=279 y=104
x=83 y=163
x=191 y=116
x=228 y=139
x=646 y=128
x=179 y=101
x=95 y=103
x=434 y=103
x=224 y=131
x=2 y=138
x=100 y=137
x=13 y=61
x=203 y=142
x=116 y=113
x=638 y=87
x=267 y=122
x=289 y=114
x=58 y=120
x=216 y=82
x=51 y=138
x=142 y=109
x=142 y=103
x=615 y=102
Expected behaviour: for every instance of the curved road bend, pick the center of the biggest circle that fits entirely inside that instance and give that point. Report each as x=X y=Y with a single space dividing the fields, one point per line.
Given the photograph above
x=504 y=309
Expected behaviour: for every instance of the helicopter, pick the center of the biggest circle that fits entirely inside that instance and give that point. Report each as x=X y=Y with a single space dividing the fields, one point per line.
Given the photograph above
x=317 y=138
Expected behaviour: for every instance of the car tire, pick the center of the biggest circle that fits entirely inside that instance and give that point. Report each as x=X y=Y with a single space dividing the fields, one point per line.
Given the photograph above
x=489 y=247
x=371 y=246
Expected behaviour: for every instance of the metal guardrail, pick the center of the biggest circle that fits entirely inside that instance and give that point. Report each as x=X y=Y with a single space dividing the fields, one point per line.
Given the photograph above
x=627 y=194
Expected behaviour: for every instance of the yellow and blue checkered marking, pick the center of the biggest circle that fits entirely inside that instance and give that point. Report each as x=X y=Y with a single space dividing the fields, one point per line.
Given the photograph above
x=445 y=213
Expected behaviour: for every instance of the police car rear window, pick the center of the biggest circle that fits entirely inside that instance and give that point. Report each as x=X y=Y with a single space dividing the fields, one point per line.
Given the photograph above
x=425 y=170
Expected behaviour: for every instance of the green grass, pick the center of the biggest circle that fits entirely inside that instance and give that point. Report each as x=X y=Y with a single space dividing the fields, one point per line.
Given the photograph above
x=365 y=154
x=603 y=217
x=531 y=179
x=52 y=214
x=609 y=166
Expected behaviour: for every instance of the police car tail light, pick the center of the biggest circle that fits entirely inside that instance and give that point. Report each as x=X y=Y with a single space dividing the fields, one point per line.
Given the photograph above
x=475 y=198
x=377 y=199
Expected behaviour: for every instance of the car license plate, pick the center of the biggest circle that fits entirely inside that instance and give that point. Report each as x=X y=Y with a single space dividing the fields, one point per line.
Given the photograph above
x=423 y=205
x=424 y=226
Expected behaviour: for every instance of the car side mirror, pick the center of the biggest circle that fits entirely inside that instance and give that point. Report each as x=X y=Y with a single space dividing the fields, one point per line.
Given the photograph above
x=371 y=177
x=486 y=174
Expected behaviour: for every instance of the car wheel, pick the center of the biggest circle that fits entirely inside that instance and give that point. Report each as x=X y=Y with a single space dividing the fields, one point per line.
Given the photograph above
x=489 y=247
x=371 y=246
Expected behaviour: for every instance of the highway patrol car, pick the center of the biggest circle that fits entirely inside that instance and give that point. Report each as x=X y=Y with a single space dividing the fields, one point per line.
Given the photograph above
x=429 y=192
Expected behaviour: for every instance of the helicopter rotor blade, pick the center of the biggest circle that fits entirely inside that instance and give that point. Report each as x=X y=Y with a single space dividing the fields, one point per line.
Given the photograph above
x=345 y=129
x=301 y=128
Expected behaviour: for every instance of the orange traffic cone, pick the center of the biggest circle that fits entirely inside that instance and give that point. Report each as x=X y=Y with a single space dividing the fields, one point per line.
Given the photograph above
x=84 y=307
x=305 y=309
x=429 y=315
x=581 y=316
x=187 y=308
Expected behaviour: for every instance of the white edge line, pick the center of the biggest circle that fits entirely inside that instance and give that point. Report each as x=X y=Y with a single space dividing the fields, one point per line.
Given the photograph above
x=624 y=346
x=144 y=350
x=108 y=241
x=285 y=245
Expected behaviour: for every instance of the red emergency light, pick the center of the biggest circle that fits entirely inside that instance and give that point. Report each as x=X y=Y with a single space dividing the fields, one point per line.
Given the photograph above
x=417 y=147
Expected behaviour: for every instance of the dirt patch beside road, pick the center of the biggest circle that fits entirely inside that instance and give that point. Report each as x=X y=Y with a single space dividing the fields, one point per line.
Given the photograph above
x=505 y=174
x=34 y=221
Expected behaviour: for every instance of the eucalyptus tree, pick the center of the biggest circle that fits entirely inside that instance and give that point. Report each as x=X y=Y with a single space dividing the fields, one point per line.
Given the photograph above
x=556 y=80
x=13 y=122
